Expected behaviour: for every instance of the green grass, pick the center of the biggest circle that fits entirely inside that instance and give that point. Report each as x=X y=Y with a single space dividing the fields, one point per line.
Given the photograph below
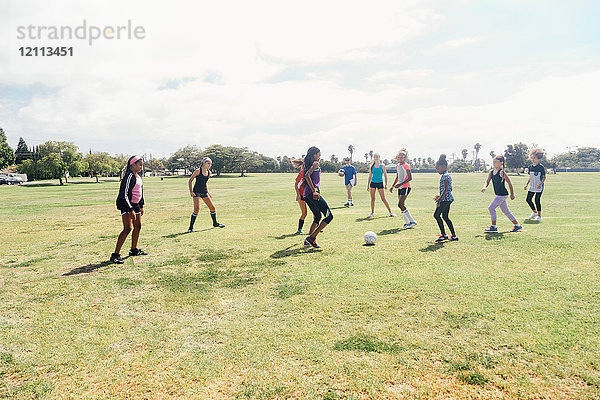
x=246 y=312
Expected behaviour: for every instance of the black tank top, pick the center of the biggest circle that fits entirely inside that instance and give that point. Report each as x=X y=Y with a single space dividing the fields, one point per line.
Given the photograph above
x=200 y=185
x=498 y=182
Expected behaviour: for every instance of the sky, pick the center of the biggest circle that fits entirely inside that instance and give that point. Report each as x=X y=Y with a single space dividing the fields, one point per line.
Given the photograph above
x=280 y=76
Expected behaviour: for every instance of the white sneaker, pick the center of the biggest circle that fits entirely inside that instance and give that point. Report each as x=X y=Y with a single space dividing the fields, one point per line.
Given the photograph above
x=413 y=223
x=406 y=226
x=533 y=215
x=392 y=214
x=537 y=218
x=371 y=215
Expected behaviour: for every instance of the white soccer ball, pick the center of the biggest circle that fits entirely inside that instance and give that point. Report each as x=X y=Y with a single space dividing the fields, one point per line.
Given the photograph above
x=370 y=237
x=341 y=171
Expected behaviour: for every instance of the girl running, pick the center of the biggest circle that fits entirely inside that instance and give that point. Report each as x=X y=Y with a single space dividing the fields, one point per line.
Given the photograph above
x=200 y=191
x=444 y=200
x=298 y=185
x=498 y=177
x=375 y=182
x=537 y=177
x=402 y=182
x=312 y=196
x=130 y=202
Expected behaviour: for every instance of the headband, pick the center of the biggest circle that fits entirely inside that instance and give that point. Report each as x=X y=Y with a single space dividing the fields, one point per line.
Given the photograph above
x=134 y=160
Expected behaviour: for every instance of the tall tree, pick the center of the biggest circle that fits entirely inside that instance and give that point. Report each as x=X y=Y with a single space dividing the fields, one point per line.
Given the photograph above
x=371 y=154
x=516 y=156
x=351 y=150
x=67 y=151
x=464 y=153
x=366 y=157
x=101 y=164
x=22 y=152
x=492 y=154
x=7 y=155
x=477 y=147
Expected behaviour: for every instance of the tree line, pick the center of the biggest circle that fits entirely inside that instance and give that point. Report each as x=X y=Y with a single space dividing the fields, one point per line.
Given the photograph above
x=62 y=160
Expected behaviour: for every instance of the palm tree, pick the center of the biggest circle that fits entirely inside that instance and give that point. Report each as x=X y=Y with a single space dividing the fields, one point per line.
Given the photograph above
x=371 y=154
x=465 y=153
x=366 y=158
x=351 y=150
x=477 y=147
x=492 y=154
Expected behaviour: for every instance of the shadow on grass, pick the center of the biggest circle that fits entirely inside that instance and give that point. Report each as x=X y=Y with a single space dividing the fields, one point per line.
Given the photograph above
x=293 y=250
x=492 y=236
x=369 y=219
x=86 y=269
x=285 y=236
x=432 y=247
x=174 y=235
x=531 y=222
x=338 y=208
x=390 y=231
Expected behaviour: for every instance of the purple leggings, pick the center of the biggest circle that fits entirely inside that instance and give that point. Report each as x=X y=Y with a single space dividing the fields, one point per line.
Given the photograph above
x=500 y=201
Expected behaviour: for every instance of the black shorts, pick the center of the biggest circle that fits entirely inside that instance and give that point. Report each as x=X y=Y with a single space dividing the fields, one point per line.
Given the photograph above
x=376 y=185
x=201 y=195
x=136 y=209
x=404 y=191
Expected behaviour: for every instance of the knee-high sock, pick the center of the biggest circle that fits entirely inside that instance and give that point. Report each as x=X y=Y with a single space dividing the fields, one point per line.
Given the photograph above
x=406 y=213
x=192 y=221
x=300 y=224
x=213 y=215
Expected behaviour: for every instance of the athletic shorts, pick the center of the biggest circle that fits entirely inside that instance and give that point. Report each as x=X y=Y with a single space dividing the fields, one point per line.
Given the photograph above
x=201 y=195
x=404 y=191
x=376 y=185
x=349 y=186
x=136 y=209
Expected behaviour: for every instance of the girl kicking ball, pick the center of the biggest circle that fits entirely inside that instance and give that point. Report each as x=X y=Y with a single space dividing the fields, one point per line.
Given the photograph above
x=444 y=200
x=130 y=202
x=498 y=177
x=312 y=196
x=537 y=177
x=376 y=183
x=200 y=191
x=298 y=187
x=402 y=183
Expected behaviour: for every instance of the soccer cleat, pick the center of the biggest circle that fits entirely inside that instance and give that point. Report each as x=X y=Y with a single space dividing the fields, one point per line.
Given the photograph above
x=218 y=226
x=371 y=215
x=115 y=258
x=538 y=218
x=517 y=228
x=299 y=231
x=314 y=243
x=406 y=226
x=412 y=223
x=190 y=231
x=491 y=229
x=307 y=241
x=137 y=252
x=453 y=238
x=347 y=205
x=392 y=214
x=441 y=238
x=351 y=204
x=533 y=215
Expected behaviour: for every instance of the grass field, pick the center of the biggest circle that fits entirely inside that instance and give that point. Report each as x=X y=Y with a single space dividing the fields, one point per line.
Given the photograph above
x=246 y=312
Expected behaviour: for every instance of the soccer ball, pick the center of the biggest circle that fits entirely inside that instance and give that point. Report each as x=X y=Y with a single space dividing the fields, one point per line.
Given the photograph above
x=341 y=171
x=370 y=237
